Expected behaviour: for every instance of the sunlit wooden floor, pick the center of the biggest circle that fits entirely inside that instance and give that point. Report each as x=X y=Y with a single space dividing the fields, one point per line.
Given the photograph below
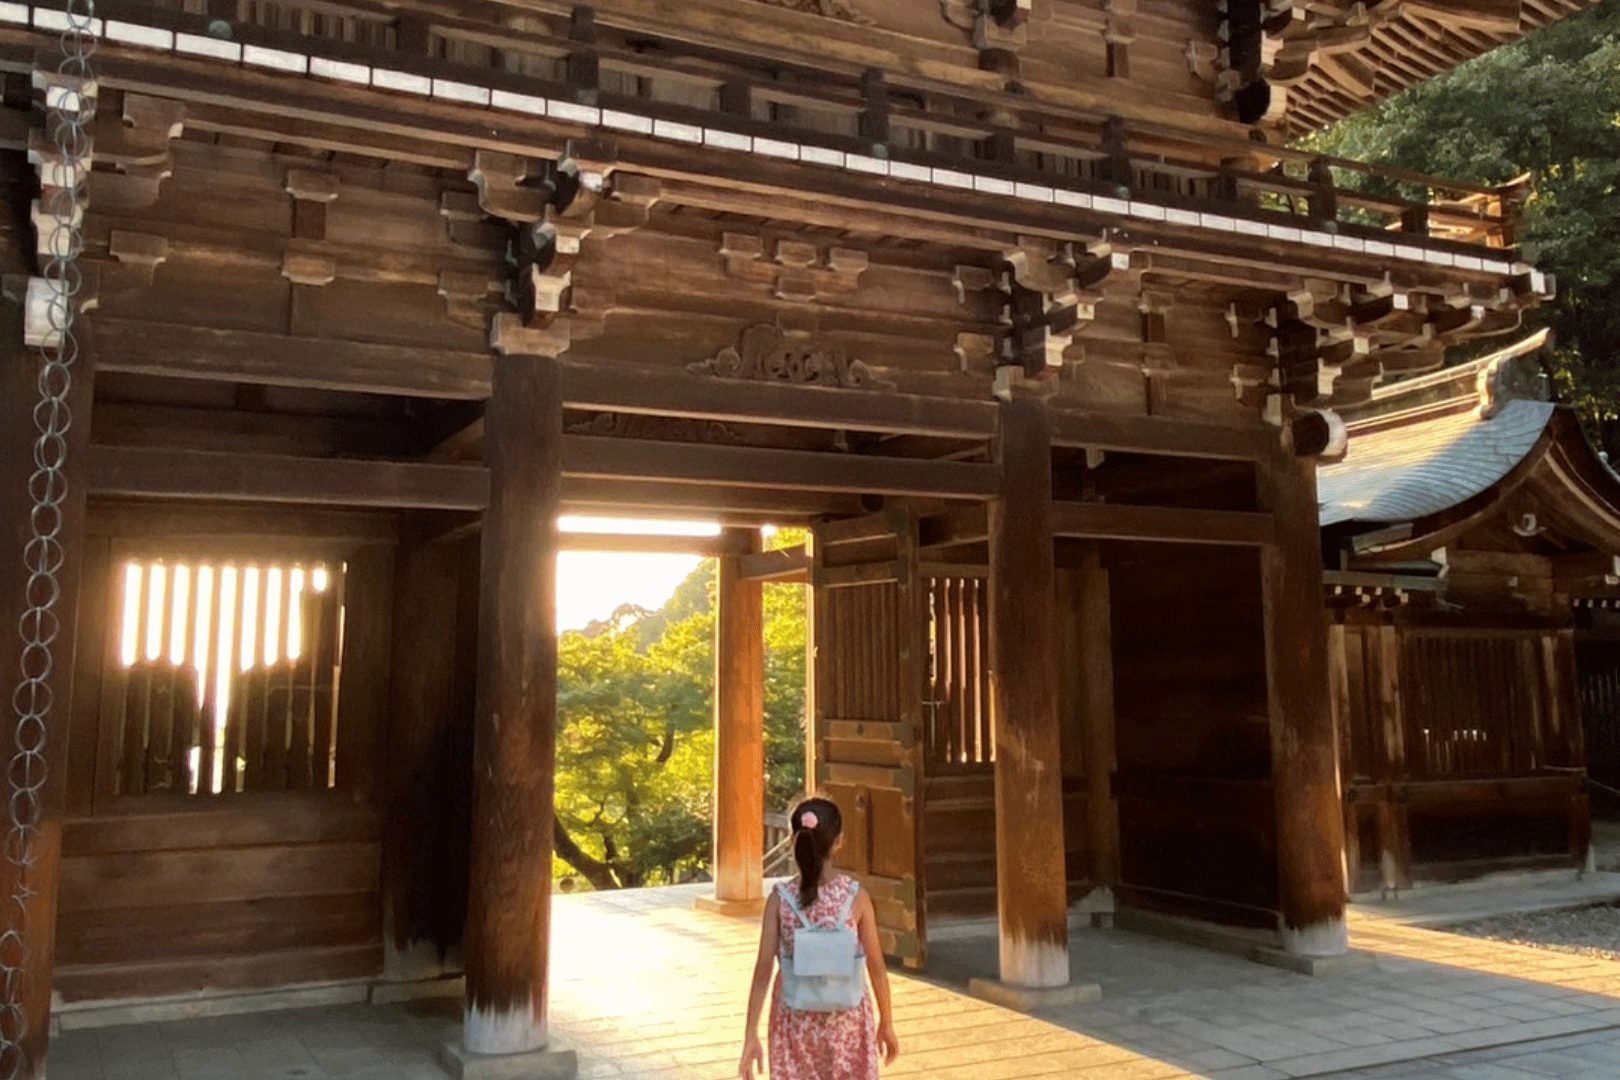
x=646 y=987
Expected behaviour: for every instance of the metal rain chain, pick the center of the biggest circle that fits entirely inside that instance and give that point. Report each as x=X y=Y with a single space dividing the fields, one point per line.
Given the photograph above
x=69 y=105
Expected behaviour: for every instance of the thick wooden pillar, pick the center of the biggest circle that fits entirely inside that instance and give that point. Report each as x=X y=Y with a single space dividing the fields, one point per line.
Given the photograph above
x=739 y=730
x=1031 y=890
x=19 y=374
x=515 y=729
x=1391 y=824
x=1097 y=720
x=1304 y=754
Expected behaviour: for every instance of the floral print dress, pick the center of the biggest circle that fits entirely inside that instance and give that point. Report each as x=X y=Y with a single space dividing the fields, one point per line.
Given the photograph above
x=820 y=1045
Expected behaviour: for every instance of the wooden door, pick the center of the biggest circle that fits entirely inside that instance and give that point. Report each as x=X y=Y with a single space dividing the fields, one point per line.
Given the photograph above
x=868 y=634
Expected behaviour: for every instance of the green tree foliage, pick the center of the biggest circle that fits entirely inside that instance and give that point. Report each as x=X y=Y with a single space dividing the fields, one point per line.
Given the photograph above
x=1549 y=106
x=635 y=753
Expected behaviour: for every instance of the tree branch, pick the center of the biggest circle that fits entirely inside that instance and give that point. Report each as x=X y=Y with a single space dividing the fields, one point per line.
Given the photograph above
x=594 y=870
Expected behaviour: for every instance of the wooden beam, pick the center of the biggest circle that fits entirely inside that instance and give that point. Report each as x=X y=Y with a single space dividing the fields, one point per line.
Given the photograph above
x=782 y=470
x=1158 y=435
x=515 y=727
x=1031 y=883
x=610 y=473
x=1115 y=521
x=731 y=505
x=654 y=391
x=779 y=565
x=857 y=530
x=739 y=731
x=1169 y=524
x=1304 y=749
x=629 y=543
x=251 y=356
x=276 y=478
x=136 y=521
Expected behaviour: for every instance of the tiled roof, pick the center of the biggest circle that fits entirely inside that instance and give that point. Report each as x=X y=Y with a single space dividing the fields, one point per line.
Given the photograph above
x=1409 y=472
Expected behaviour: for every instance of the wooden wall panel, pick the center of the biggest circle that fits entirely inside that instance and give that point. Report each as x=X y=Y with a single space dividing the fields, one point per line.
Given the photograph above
x=173 y=893
x=1461 y=758
x=1195 y=805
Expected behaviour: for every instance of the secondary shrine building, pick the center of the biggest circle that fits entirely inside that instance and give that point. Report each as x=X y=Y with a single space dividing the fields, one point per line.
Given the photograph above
x=1028 y=308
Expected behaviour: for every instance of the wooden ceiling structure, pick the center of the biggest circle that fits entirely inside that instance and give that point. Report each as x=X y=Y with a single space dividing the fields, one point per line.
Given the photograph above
x=1324 y=60
x=998 y=276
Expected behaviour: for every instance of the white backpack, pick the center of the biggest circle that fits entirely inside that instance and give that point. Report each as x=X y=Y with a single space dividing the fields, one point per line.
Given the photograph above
x=825 y=972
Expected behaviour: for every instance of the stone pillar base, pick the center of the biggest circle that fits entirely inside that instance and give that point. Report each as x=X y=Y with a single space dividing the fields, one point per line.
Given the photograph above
x=542 y=1064
x=1033 y=998
x=733 y=909
x=1354 y=960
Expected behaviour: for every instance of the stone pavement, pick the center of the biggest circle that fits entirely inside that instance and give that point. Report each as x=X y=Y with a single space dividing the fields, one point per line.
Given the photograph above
x=1574 y=1057
x=645 y=987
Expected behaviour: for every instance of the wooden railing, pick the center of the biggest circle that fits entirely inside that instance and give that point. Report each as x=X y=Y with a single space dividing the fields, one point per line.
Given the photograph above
x=778 y=845
x=904 y=119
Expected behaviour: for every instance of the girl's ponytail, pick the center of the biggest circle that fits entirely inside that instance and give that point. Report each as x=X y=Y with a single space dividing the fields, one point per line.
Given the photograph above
x=817 y=825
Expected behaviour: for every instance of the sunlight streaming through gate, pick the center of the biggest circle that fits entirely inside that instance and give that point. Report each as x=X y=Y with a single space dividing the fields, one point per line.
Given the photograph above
x=227 y=677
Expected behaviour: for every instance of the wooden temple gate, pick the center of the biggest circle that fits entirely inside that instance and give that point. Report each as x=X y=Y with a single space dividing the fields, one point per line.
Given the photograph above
x=1029 y=310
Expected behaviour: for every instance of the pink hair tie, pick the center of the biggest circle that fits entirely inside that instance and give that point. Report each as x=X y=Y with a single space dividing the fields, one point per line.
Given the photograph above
x=808 y=820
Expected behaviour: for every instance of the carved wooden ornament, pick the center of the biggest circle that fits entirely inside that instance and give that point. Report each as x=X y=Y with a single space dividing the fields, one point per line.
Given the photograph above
x=766 y=354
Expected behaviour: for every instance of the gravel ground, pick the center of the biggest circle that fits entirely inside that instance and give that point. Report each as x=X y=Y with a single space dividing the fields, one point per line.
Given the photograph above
x=1588 y=931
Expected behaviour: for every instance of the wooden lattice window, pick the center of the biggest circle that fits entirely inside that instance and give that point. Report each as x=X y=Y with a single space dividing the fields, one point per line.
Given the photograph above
x=225 y=676
x=958 y=707
x=1470 y=703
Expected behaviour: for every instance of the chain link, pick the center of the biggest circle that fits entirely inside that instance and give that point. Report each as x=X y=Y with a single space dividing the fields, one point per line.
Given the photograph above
x=69 y=106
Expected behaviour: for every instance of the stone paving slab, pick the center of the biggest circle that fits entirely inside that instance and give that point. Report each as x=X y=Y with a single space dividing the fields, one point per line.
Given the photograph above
x=1452 y=904
x=645 y=987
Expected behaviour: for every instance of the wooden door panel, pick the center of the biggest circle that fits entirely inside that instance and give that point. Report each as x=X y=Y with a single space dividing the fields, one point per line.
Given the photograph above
x=868 y=638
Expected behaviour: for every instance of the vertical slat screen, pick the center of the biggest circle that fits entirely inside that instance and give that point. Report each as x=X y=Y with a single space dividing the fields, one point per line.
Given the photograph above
x=1597 y=664
x=863 y=652
x=227 y=677
x=958 y=729
x=1468 y=708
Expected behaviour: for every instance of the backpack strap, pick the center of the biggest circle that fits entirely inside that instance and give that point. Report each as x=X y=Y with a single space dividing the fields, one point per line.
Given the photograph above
x=849 y=903
x=792 y=904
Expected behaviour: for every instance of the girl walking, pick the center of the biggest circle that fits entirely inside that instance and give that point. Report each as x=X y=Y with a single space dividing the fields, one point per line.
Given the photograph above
x=822 y=1026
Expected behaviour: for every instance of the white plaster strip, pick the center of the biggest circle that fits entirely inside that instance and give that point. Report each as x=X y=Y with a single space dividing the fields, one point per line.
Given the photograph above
x=128 y=33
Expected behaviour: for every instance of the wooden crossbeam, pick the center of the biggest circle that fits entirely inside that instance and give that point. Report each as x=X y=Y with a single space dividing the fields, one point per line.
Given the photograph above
x=732 y=505
x=1110 y=521
x=780 y=470
x=281 y=478
x=652 y=391
x=1114 y=521
x=632 y=543
x=255 y=357
x=176 y=350
x=604 y=472
x=856 y=530
x=1157 y=435
x=782 y=564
